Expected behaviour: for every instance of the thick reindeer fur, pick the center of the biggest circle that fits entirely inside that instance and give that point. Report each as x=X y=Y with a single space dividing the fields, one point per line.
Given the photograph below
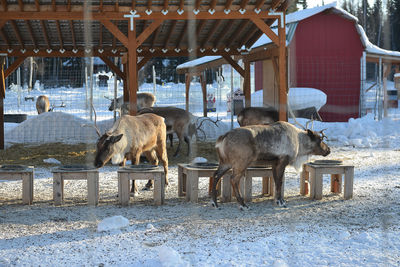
x=278 y=144
x=178 y=121
x=42 y=104
x=129 y=137
x=257 y=115
x=144 y=100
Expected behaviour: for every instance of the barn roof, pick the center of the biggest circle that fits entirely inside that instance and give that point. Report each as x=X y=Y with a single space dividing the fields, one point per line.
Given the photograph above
x=292 y=19
x=58 y=28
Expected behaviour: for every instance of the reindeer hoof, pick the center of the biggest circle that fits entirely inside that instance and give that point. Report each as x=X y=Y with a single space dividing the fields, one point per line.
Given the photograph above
x=244 y=208
x=134 y=194
x=281 y=203
x=214 y=204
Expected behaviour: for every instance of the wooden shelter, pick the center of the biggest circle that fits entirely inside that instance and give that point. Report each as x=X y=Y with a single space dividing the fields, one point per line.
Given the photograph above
x=138 y=31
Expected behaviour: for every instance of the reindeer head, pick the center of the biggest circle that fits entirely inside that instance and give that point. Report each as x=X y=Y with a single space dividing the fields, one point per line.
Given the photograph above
x=319 y=147
x=106 y=149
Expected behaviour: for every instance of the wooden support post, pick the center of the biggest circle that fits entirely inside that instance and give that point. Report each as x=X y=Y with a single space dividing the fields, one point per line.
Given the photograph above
x=282 y=71
x=132 y=72
x=204 y=89
x=188 y=78
x=246 y=85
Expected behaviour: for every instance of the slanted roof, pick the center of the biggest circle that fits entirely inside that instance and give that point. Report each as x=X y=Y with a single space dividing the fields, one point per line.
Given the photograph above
x=58 y=28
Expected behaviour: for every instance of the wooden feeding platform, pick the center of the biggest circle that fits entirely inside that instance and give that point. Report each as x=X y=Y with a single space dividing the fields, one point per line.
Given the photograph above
x=141 y=172
x=76 y=172
x=20 y=172
x=313 y=172
x=189 y=174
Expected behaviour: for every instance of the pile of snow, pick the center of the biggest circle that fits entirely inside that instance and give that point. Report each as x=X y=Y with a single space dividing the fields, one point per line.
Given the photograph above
x=112 y=223
x=302 y=97
x=51 y=127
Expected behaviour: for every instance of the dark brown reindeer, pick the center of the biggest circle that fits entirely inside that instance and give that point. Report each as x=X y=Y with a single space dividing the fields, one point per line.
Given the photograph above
x=278 y=144
x=129 y=137
x=257 y=115
x=178 y=121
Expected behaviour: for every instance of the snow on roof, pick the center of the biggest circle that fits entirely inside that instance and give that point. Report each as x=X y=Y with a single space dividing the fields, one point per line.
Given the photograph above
x=371 y=48
x=198 y=61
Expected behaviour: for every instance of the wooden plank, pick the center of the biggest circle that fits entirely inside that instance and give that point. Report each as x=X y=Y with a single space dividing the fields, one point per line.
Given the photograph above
x=123 y=186
x=158 y=194
x=226 y=189
x=58 y=189
x=193 y=179
x=188 y=78
x=248 y=187
x=266 y=29
x=348 y=182
x=204 y=90
x=27 y=188
x=233 y=64
x=304 y=178
x=93 y=188
x=180 y=181
x=132 y=73
x=336 y=183
x=247 y=85
x=1 y=123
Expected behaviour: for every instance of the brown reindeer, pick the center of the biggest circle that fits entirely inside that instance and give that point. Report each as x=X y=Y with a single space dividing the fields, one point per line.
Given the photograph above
x=178 y=121
x=278 y=144
x=129 y=137
x=42 y=104
x=144 y=100
x=257 y=115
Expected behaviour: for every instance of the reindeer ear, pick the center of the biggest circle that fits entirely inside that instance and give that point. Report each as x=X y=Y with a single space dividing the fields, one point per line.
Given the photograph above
x=115 y=138
x=310 y=134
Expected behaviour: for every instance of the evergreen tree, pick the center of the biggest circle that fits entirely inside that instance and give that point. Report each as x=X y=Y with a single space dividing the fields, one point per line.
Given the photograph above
x=394 y=21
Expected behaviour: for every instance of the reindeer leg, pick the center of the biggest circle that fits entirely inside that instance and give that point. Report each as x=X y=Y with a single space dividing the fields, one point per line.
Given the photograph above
x=135 y=160
x=180 y=138
x=235 y=181
x=278 y=171
x=217 y=175
x=152 y=158
x=187 y=140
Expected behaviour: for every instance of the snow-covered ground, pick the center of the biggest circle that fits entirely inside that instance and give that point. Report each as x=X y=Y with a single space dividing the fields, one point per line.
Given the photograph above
x=362 y=231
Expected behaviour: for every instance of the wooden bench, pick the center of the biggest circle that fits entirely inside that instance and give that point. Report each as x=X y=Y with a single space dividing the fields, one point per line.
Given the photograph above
x=125 y=175
x=91 y=175
x=312 y=175
x=25 y=174
x=188 y=182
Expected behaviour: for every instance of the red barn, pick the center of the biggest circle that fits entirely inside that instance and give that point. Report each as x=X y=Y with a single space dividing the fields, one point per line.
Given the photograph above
x=327 y=50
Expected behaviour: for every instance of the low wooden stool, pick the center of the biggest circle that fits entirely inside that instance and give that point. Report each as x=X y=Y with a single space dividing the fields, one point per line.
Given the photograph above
x=188 y=180
x=75 y=173
x=20 y=172
x=126 y=174
x=312 y=174
x=246 y=187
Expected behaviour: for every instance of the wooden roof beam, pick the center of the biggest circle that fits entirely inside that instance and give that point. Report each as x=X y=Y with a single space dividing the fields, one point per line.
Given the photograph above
x=197 y=4
x=243 y=4
x=2 y=23
x=21 y=5
x=143 y=62
x=153 y=41
x=46 y=36
x=166 y=5
x=30 y=30
x=101 y=8
x=18 y=61
x=259 y=3
x=5 y=38
x=237 y=32
x=181 y=4
x=71 y=26
x=211 y=33
x=213 y=4
x=112 y=66
x=234 y=64
x=182 y=35
x=171 y=30
x=223 y=33
x=4 y=4
x=149 y=4
x=116 y=6
x=113 y=29
x=69 y=5
x=101 y=37
x=148 y=31
x=17 y=33
x=60 y=38
x=266 y=29
x=228 y=4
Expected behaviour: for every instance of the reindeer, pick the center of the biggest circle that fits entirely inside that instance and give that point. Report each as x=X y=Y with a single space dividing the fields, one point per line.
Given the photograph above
x=42 y=104
x=129 y=137
x=257 y=115
x=278 y=144
x=178 y=121
x=144 y=100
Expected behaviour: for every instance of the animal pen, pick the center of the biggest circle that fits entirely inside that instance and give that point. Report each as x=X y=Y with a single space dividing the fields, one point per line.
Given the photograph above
x=129 y=34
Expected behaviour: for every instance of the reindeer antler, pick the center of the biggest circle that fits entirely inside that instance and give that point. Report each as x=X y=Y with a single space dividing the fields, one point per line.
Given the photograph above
x=95 y=120
x=198 y=128
x=322 y=134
